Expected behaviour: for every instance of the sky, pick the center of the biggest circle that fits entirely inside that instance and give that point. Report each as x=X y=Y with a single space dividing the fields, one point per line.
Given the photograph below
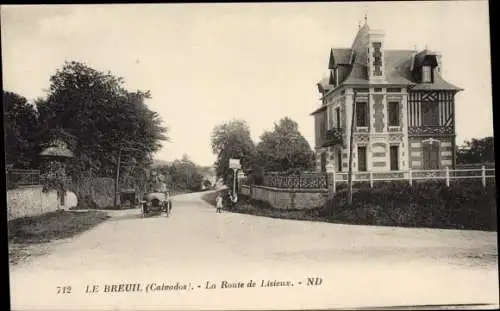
x=206 y=64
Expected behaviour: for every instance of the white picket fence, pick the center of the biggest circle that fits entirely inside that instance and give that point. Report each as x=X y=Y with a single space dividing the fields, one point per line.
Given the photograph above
x=415 y=175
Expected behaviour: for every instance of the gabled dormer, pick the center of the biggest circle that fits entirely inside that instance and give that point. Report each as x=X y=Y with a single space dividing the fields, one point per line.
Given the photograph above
x=333 y=66
x=331 y=62
x=425 y=66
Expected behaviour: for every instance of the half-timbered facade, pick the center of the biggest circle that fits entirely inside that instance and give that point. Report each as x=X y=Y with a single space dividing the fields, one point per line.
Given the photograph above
x=404 y=109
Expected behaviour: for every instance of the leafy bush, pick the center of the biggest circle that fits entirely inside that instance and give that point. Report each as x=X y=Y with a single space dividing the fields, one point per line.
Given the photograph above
x=465 y=204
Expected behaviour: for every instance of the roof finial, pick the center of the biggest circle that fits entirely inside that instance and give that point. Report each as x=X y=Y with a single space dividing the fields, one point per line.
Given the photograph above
x=415 y=47
x=366 y=15
x=426 y=46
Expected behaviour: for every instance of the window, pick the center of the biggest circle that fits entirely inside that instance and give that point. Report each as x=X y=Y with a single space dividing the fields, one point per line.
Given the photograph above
x=394 y=158
x=361 y=159
x=330 y=117
x=393 y=113
x=430 y=114
x=337 y=115
x=361 y=114
x=426 y=74
x=377 y=58
x=339 y=160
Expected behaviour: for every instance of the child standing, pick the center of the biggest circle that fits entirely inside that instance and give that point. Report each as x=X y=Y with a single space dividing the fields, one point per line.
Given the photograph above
x=218 y=203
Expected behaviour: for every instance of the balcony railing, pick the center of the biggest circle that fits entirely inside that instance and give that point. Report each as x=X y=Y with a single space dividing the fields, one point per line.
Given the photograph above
x=430 y=130
x=333 y=136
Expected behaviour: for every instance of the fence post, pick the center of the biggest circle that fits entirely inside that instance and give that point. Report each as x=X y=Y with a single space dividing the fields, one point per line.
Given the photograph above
x=447 y=176
x=371 y=179
x=410 y=177
x=483 y=175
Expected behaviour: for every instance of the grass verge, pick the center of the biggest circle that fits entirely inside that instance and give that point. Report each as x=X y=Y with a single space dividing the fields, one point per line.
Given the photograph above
x=28 y=232
x=464 y=205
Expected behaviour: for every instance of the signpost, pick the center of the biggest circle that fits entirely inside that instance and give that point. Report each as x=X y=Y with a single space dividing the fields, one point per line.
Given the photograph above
x=235 y=165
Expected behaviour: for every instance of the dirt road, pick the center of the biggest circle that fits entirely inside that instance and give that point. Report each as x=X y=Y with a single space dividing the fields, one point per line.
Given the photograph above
x=189 y=256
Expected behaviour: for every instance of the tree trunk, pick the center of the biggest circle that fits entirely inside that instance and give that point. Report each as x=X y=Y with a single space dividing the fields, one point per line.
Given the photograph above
x=117 y=178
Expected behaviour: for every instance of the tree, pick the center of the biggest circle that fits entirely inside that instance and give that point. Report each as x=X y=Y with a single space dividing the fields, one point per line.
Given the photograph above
x=21 y=134
x=232 y=140
x=183 y=174
x=284 y=149
x=207 y=184
x=476 y=151
x=109 y=124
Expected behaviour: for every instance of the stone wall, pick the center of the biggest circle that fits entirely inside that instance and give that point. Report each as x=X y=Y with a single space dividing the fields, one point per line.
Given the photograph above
x=100 y=189
x=287 y=198
x=32 y=201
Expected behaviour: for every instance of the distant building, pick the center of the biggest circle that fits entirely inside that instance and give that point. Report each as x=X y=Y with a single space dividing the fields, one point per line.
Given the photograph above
x=405 y=109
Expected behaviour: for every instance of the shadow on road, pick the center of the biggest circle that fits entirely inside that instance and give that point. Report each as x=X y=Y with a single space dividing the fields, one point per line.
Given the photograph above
x=136 y=214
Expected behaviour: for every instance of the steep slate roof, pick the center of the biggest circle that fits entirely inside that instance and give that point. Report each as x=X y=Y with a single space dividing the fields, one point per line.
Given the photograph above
x=439 y=84
x=341 y=56
x=397 y=65
x=420 y=57
x=397 y=70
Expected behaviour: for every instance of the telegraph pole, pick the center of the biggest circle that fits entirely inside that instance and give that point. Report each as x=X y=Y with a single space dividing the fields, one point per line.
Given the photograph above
x=351 y=139
x=118 y=163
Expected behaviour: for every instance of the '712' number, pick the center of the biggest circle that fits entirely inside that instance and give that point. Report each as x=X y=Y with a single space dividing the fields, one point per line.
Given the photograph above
x=64 y=289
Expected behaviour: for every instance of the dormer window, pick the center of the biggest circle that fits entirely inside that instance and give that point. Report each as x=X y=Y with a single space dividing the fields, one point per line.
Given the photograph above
x=426 y=74
x=377 y=58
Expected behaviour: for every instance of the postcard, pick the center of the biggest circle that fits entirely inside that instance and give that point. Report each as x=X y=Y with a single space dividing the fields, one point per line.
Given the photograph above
x=250 y=156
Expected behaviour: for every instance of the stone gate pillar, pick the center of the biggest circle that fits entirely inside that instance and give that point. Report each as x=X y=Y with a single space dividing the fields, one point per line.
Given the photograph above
x=331 y=180
x=54 y=161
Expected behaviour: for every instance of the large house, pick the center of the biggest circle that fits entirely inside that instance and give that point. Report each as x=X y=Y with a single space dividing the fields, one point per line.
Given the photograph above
x=404 y=109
